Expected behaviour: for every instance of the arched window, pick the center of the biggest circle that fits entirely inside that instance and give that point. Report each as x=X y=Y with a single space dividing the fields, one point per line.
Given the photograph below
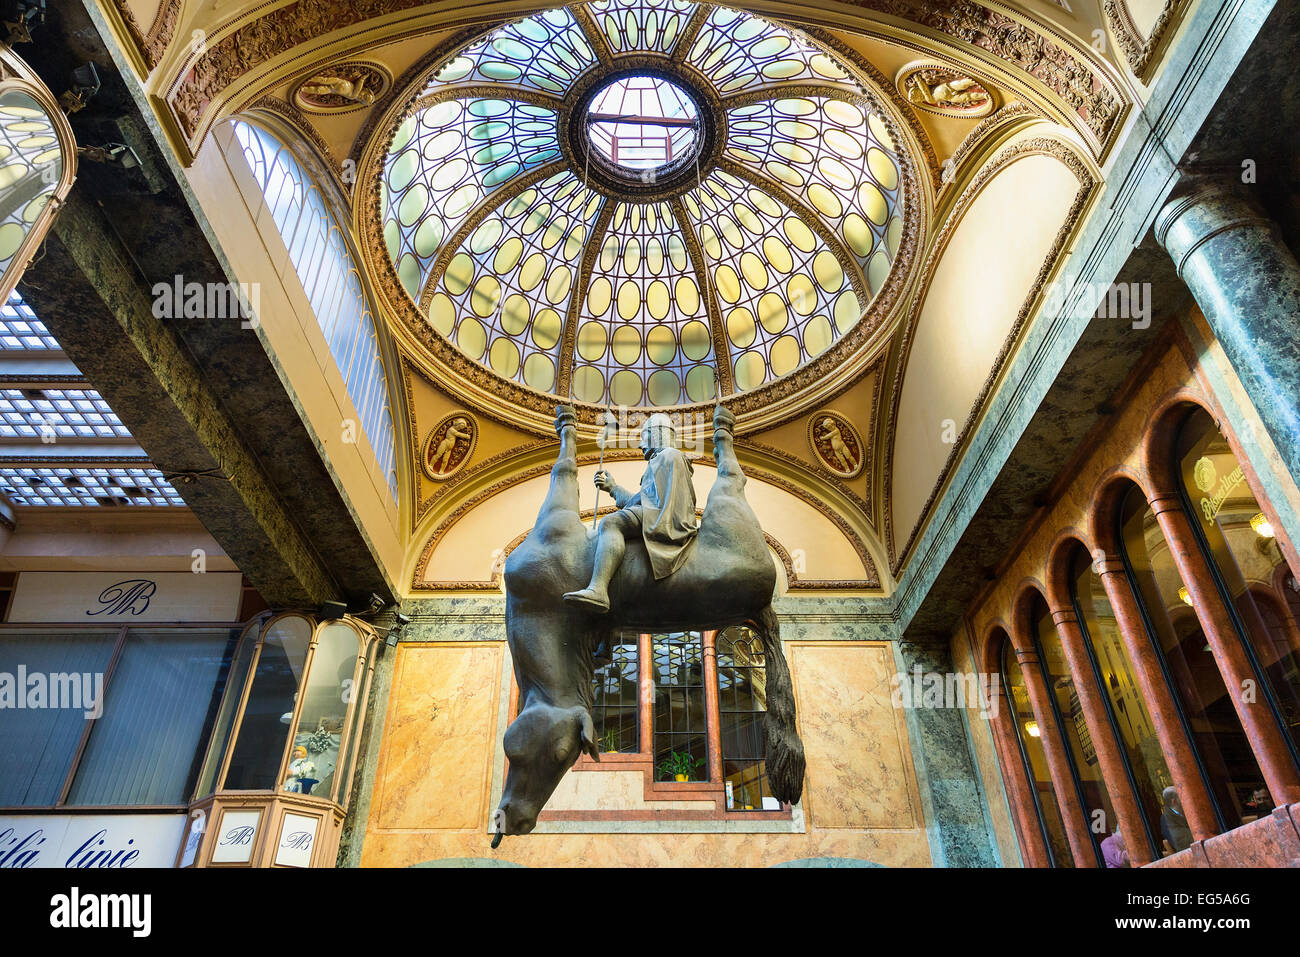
x=1126 y=710
x=38 y=162
x=1240 y=546
x=1228 y=765
x=1079 y=748
x=1029 y=741
x=330 y=278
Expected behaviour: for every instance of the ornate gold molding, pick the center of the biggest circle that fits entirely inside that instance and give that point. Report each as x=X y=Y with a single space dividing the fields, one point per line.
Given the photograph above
x=151 y=43
x=1087 y=182
x=1140 y=51
x=479 y=497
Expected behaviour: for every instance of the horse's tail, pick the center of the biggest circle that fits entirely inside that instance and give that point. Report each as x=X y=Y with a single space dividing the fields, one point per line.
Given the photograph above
x=785 y=760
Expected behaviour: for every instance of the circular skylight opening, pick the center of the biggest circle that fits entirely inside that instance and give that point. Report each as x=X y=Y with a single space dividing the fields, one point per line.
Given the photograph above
x=643 y=123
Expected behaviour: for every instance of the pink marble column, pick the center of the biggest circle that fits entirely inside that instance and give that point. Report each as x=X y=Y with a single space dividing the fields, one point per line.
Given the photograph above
x=1174 y=745
x=1067 y=795
x=1109 y=757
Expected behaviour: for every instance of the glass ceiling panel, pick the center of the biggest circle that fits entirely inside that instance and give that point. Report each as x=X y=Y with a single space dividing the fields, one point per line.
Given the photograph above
x=739 y=52
x=58 y=413
x=643 y=329
x=493 y=256
x=504 y=295
x=637 y=25
x=21 y=331
x=831 y=156
x=444 y=161
x=546 y=53
x=785 y=297
x=63 y=413
x=87 y=485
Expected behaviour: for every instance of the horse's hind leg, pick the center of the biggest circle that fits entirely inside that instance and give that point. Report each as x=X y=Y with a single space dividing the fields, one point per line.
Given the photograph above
x=785 y=759
x=724 y=448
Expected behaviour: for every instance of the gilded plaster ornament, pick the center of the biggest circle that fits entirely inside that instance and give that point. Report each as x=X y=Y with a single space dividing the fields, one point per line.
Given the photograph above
x=836 y=444
x=342 y=87
x=946 y=92
x=449 y=446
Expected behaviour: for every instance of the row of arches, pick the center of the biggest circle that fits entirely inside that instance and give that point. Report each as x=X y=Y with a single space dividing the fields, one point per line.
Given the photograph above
x=1150 y=683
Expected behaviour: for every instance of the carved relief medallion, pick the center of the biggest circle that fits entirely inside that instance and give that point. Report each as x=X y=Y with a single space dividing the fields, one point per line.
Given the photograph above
x=836 y=444
x=342 y=87
x=945 y=91
x=449 y=445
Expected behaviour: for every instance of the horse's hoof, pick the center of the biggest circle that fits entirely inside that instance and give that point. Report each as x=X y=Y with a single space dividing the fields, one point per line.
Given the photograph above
x=587 y=600
x=723 y=419
x=565 y=417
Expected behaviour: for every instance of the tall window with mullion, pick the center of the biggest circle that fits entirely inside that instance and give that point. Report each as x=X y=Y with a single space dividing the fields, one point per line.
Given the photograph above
x=681 y=741
x=616 y=697
x=742 y=706
x=332 y=282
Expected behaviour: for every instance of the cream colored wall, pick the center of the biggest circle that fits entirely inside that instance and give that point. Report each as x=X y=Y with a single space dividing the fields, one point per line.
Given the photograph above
x=250 y=240
x=979 y=286
x=1144 y=14
x=440 y=766
x=469 y=548
x=144 y=11
x=94 y=539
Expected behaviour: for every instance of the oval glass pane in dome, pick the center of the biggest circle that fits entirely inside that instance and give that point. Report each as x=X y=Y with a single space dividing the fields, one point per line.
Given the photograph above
x=643 y=123
x=631 y=201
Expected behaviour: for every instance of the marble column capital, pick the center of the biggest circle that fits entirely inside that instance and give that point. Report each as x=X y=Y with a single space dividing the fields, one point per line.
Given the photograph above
x=1201 y=210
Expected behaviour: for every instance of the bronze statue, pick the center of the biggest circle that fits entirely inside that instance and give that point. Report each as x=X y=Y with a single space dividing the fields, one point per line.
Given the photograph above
x=721 y=575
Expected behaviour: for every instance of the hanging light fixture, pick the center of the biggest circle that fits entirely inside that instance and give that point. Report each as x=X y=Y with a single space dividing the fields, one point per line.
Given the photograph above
x=1262 y=526
x=1182 y=593
x=1031 y=728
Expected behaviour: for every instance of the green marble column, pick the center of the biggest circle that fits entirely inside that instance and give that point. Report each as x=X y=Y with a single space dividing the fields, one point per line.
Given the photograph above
x=1247 y=282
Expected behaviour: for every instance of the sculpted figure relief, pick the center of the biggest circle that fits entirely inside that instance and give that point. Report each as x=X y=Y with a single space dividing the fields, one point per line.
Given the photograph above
x=653 y=568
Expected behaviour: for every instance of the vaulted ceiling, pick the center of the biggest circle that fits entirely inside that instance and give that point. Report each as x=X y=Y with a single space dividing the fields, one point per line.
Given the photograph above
x=994 y=121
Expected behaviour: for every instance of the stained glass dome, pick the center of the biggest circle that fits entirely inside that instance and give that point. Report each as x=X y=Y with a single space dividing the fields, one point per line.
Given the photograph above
x=631 y=201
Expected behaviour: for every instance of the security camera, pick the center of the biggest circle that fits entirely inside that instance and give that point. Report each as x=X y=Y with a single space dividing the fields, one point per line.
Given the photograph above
x=18 y=17
x=85 y=84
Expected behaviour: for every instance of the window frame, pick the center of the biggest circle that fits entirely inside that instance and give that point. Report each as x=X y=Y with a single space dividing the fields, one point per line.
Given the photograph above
x=88 y=723
x=712 y=788
x=1216 y=573
x=1008 y=648
x=1035 y=621
x=1148 y=626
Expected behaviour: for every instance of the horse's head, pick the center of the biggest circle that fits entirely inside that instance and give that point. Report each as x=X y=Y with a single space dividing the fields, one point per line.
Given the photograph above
x=541 y=744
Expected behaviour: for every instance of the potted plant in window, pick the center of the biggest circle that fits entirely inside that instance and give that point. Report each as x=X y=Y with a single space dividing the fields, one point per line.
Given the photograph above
x=609 y=741
x=679 y=765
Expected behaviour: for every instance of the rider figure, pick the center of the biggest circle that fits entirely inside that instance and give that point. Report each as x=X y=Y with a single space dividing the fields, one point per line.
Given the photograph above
x=662 y=513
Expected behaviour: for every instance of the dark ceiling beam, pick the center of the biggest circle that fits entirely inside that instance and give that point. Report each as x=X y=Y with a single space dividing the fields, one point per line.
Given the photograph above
x=89 y=295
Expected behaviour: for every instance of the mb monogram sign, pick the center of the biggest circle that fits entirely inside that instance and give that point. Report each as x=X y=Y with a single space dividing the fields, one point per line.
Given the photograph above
x=125 y=597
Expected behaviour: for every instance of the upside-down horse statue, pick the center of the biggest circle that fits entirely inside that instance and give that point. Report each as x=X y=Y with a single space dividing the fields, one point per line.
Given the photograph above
x=651 y=568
